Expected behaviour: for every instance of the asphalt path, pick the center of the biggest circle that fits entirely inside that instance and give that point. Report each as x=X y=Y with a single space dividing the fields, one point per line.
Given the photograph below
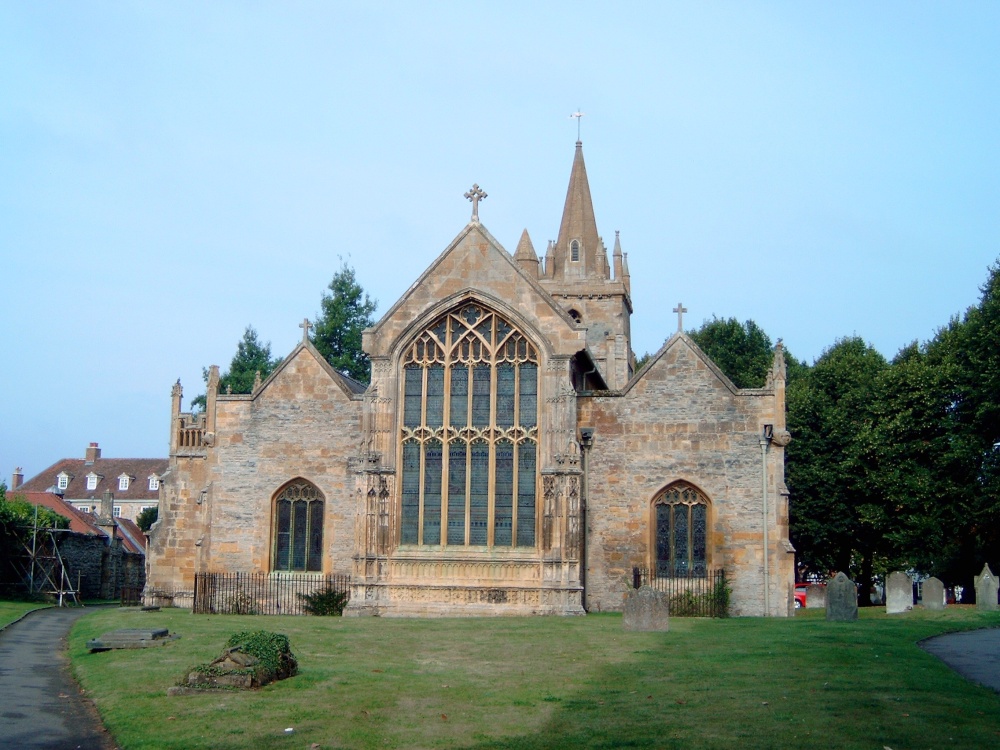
x=41 y=706
x=974 y=654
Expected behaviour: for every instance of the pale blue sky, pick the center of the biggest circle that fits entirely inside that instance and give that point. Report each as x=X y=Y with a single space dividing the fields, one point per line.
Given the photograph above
x=172 y=171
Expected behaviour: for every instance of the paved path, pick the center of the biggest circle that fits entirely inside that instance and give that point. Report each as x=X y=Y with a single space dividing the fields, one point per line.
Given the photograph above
x=974 y=654
x=41 y=706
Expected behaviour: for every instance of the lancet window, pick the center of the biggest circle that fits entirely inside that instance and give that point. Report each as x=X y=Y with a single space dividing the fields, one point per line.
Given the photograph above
x=298 y=528
x=469 y=437
x=681 y=518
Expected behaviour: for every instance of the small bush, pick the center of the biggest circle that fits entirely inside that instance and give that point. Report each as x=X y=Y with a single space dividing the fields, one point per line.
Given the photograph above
x=326 y=602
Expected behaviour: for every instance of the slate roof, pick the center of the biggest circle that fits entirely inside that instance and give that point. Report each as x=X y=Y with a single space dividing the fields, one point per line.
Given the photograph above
x=133 y=539
x=108 y=471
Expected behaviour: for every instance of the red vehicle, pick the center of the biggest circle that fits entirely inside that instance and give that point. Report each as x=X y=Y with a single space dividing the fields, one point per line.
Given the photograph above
x=800 y=594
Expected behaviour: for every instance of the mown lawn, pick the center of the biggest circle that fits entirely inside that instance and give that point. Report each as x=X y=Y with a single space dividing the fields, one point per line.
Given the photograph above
x=551 y=683
x=10 y=611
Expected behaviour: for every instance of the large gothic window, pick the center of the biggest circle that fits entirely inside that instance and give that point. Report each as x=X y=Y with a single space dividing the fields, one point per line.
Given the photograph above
x=469 y=438
x=298 y=528
x=681 y=518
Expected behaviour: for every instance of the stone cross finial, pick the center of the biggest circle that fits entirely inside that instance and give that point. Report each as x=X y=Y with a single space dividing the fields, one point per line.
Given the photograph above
x=680 y=310
x=475 y=195
x=305 y=325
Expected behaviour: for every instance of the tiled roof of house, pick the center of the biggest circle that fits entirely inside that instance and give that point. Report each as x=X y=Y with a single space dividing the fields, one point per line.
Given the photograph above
x=108 y=471
x=133 y=539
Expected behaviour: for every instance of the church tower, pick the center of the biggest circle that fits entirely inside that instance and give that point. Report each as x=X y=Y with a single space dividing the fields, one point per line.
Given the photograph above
x=578 y=276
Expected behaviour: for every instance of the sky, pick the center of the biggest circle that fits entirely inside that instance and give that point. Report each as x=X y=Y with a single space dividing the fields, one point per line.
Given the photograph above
x=173 y=172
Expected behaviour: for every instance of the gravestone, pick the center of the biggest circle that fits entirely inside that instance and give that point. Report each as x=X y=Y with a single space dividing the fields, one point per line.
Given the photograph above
x=986 y=589
x=841 y=599
x=898 y=593
x=933 y=596
x=646 y=610
x=816 y=596
x=131 y=638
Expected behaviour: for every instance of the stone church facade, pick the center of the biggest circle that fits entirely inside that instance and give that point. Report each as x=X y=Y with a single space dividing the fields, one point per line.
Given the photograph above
x=505 y=458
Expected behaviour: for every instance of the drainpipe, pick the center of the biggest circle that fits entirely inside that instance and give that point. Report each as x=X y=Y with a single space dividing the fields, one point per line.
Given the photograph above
x=765 y=439
x=586 y=443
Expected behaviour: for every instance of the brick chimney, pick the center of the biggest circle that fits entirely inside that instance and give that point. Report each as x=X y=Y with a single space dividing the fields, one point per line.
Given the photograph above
x=93 y=453
x=17 y=480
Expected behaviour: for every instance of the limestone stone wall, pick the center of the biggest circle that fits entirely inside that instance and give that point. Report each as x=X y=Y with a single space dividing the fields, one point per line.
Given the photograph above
x=681 y=420
x=216 y=502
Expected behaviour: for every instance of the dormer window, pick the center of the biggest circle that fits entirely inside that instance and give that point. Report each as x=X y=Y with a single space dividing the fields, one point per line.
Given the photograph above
x=154 y=482
x=92 y=480
x=123 y=482
x=62 y=480
x=574 y=250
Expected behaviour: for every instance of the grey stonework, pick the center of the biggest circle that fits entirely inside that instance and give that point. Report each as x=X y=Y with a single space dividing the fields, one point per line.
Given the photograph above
x=646 y=610
x=986 y=590
x=933 y=594
x=841 y=599
x=898 y=593
x=816 y=596
x=101 y=566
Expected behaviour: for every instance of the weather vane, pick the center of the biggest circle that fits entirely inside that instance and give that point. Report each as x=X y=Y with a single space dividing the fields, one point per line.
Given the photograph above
x=578 y=115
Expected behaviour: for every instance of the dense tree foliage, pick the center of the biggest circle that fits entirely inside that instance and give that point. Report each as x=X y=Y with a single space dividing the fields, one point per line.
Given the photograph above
x=896 y=465
x=16 y=518
x=146 y=518
x=346 y=311
x=251 y=357
x=741 y=350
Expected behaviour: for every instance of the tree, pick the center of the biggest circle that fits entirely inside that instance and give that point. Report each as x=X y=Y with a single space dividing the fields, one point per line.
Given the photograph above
x=251 y=357
x=741 y=350
x=346 y=312
x=837 y=513
x=146 y=518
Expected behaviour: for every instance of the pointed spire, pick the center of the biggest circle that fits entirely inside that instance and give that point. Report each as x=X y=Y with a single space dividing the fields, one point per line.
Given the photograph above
x=525 y=255
x=626 y=277
x=617 y=254
x=549 y=260
x=578 y=226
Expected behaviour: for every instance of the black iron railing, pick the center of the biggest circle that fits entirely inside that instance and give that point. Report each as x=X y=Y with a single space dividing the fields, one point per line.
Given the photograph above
x=260 y=593
x=695 y=594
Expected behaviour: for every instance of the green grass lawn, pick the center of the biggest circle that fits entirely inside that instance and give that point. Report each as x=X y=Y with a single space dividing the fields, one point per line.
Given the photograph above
x=10 y=611
x=550 y=682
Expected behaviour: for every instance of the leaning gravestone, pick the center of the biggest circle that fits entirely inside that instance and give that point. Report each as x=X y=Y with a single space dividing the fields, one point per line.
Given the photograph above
x=933 y=594
x=646 y=610
x=986 y=589
x=898 y=593
x=816 y=596
x=841 y=599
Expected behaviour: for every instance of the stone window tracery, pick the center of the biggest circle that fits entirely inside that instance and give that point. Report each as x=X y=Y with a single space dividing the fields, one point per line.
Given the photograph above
x=680 y=515
x=298 y=528
x=469 y=433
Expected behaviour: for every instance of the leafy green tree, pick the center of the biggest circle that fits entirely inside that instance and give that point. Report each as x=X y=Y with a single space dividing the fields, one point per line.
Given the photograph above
x=838 y=514
x=742 y=350
x=16 y=517
x=147 y=517
x=251 y=357
x=346 y=312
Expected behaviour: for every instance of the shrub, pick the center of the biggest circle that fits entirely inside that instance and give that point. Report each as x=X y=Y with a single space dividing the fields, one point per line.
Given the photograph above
x=326 y=602
x=273 y=651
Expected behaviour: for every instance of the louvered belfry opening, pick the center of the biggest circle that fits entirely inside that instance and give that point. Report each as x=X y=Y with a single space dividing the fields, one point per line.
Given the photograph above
x=469 y=434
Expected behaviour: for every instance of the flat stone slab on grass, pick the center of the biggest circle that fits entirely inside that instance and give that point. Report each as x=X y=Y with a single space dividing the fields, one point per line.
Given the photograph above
x=131 y=638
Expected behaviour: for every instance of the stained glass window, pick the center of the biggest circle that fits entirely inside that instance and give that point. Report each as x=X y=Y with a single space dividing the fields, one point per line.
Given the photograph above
x=470 y=384
x=681 y=522
x=298 y=528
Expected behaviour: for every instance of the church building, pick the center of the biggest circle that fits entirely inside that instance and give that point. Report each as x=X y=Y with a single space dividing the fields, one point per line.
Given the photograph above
x=506 y=458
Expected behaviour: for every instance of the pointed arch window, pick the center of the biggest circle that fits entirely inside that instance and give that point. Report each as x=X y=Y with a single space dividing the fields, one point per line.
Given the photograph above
x=680 y=516
x=574 y=250
x=469 y=434
x=298 y=528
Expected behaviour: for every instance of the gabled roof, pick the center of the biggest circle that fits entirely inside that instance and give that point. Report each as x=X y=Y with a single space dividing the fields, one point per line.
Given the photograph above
x=349 y=385
x=682 y=339
x=471 y=285
x=108 y=469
